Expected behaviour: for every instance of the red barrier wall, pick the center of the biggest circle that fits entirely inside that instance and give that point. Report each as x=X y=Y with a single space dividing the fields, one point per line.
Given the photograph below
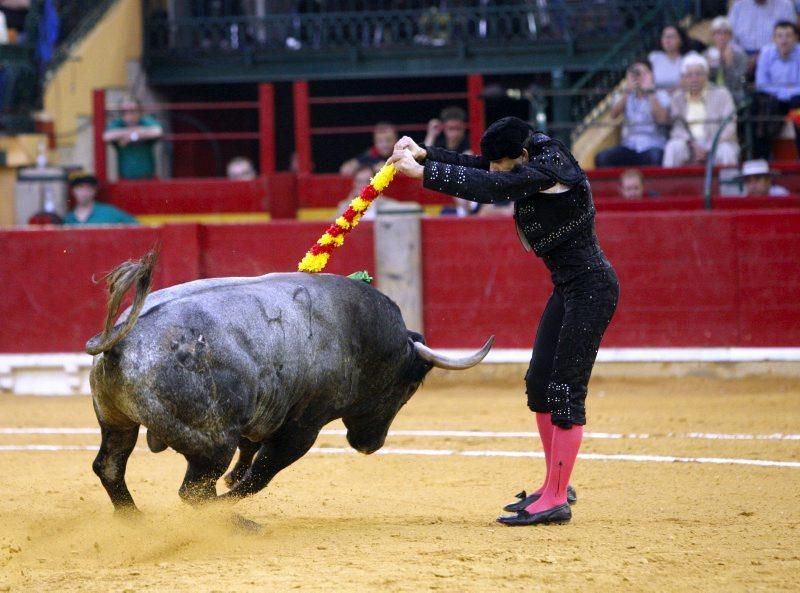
x=719 y=278
x=283 y=193
x=254 y=249
x=49 y=302
x=275 y=193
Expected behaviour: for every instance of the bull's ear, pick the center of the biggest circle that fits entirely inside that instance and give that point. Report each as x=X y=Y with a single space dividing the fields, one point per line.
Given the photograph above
x=415 y=337
x=442 y=361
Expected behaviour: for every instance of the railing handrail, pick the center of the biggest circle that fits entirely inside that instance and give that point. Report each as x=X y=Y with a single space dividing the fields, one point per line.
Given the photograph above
x=712 y=152
x=568 y=26
x=264 y=134
x=621 y=54
x=76 y=19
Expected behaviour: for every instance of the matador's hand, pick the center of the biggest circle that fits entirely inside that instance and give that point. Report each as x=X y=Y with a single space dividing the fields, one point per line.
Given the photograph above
x=419 y=153
x=405 y=163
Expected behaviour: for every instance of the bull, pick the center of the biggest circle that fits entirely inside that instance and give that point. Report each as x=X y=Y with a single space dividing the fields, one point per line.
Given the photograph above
x=260 y=363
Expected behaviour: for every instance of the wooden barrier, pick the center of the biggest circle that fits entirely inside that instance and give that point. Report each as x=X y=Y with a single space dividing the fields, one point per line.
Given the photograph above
x=698 y=278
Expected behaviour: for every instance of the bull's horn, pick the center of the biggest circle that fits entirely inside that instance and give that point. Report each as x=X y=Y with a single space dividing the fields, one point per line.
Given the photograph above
x=450 y=363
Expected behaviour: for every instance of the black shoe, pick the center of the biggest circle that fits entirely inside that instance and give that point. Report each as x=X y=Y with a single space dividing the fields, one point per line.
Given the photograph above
x=524 y=501
x=559 y=515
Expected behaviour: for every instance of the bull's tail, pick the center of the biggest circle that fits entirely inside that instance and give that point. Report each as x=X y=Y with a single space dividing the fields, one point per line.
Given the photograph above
x=119 y=281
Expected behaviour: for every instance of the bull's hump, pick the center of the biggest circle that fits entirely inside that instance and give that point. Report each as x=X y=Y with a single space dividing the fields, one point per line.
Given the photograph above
x=219 y=287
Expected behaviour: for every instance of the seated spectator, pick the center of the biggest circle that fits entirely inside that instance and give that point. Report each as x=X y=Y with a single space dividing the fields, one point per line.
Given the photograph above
x=777 y=88
x=645 y=111
x=756 y=179
x=460 y=208
x=83 y=187
x=384 y=135
x=727 y=62
x=361 y=178
x=666 y=62
x=697 y=113
x=752 y=22
x=631 y=184
x=504 y=209
x=241 y=169
x=15 y=12
x=449 y=131
x=44 y=217
x=133 y=136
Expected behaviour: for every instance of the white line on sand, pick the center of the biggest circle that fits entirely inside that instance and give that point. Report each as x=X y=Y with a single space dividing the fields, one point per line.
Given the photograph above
x=477 y=434
x=451 y=452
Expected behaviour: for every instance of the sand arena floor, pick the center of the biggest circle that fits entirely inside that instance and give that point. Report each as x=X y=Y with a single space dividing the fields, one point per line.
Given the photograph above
x=421 y=520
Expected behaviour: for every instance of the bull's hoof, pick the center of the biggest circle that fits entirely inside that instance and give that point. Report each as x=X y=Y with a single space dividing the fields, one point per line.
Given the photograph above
x=230 y=479
x=246 y=525
x=128 y=513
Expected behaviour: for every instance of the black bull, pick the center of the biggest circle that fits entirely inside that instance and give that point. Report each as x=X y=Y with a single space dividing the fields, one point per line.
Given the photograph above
x=264 y=362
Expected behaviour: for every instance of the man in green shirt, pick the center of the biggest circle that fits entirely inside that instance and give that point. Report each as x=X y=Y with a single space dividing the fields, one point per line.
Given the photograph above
x=133 y=136
x=87 y=210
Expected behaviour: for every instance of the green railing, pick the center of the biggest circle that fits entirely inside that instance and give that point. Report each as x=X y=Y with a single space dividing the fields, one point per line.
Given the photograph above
x=645 y=20
x=19 y=89
x=531 y=23
x=22 y=71
x=76 y=19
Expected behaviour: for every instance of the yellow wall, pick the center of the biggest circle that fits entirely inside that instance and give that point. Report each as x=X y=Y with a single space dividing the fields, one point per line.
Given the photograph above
x=100 y=60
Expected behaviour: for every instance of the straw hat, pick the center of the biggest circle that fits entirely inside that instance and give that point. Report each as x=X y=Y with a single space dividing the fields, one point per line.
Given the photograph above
x=755 y=168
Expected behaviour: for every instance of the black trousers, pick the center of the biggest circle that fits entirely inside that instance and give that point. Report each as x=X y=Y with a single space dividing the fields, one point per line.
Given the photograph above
x=769 y=123
x=573 y=323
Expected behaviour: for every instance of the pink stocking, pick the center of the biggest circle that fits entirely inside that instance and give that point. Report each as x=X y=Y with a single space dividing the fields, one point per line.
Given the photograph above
x=563 y=453
x=545 y=426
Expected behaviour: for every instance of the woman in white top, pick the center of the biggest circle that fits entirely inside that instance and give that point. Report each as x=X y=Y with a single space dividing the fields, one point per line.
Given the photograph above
x=666 y=63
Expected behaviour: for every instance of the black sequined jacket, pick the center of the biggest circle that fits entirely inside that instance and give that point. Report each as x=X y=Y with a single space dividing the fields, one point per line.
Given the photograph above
x=559 y=227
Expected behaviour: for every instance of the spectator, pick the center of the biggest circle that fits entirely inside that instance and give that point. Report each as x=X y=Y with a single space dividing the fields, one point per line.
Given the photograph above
x=666 y=62
x=45 y=217
x=726 y=61
x=272 y=32
x=133 y=135
x=777 y=87
x=697 y=113
x=16 y=12
x=83 y=187
x=449 y=131
x=460 y=208
x=240 y=169
x=646 y=110
x=495 y=210
x=384 y=135
x=752 y=22
x=631 y=184
x=756 y=177
x=361 y=178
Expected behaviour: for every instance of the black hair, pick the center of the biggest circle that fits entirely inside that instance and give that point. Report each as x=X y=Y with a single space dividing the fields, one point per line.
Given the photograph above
x=789 y=24
x=686 y=43
x=506 y=138
x=453 y=112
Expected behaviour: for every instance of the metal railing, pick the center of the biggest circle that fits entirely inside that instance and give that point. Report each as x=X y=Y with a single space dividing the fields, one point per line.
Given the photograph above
x=473 y=24
x=76 y=19
x=186 y=116
x=610 y=69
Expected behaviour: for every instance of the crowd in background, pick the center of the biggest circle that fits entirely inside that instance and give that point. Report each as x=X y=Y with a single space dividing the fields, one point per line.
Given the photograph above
x=683 y=104
x=685 y=96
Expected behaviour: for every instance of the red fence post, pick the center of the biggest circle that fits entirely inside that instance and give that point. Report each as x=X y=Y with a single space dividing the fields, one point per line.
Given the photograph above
x=477 y=114
x=302 y=127
x=266 y=128
x=99 y=117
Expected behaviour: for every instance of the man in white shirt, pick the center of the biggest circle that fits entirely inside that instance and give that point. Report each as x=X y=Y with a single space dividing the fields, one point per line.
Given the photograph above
x=698 y=111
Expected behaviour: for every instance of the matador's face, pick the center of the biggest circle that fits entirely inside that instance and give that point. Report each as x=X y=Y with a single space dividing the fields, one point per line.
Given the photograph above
x=507 y=163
